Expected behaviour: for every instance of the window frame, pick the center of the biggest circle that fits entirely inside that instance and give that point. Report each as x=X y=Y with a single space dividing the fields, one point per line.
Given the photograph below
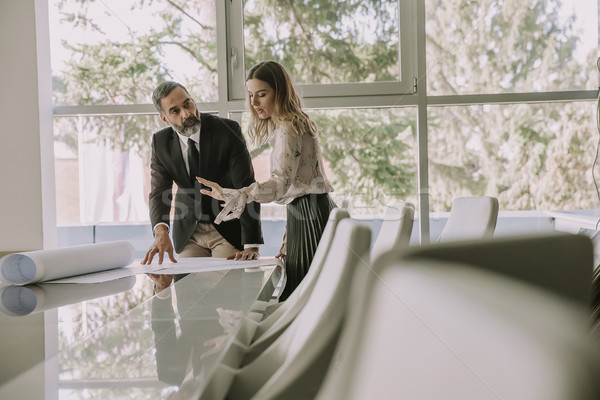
x=413 y=94
x=336 y=94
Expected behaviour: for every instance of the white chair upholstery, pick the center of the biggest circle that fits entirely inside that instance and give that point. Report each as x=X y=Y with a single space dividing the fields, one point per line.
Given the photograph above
x=335 y=216
x=293 y=366
x=427 y=329
x=396 y=228
x=266 y=331
x=471 y=218
x=559 y=262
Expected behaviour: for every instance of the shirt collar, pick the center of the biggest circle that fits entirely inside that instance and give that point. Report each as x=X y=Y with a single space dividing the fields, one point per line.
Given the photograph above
x=184 y=139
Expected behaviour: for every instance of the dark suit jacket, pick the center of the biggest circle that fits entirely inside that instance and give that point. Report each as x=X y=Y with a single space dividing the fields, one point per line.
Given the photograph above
x=224 y=158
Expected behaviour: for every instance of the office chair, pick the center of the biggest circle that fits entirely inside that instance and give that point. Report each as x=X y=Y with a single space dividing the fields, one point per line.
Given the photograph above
x=254 y=336
x=471 y=218
x=427 y=329
x=294 y=365
x=396 y=228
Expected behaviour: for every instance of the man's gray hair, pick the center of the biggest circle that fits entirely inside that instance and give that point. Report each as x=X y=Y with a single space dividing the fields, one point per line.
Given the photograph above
x=163 y=91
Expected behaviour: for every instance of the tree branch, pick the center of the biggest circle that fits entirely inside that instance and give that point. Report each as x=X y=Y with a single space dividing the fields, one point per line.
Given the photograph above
x=304 y=34
x=187 y=14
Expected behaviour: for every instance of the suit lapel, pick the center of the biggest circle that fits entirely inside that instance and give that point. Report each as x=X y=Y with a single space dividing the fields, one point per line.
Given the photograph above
x=205 y=146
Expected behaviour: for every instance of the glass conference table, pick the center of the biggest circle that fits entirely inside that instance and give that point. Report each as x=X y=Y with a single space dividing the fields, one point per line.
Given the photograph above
x=118 y=339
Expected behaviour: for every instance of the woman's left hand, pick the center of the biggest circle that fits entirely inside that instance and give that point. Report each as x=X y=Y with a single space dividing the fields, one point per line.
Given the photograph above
x=216 y=191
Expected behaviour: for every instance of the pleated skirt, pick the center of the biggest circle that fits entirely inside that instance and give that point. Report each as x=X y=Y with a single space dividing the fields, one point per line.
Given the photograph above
x=306 y=220
x=596 y=304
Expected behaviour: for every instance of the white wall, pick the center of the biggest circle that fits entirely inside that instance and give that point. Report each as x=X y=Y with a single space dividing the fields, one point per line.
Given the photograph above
x=27 y=201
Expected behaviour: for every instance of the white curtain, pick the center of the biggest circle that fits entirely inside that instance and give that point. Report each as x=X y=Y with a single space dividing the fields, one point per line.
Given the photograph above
x=111 y=182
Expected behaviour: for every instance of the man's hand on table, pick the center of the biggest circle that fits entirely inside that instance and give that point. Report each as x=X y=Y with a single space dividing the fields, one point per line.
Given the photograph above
x=251 y=253
x=162 y=244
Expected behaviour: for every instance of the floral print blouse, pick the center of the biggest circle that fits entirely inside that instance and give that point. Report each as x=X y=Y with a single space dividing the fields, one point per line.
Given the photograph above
x=296 y=170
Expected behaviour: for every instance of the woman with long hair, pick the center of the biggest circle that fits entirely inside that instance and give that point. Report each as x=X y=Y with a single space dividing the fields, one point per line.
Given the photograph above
x=297 y=174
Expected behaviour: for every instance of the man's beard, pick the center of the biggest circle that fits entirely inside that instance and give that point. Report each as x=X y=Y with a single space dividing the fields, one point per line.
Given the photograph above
x=189 y=127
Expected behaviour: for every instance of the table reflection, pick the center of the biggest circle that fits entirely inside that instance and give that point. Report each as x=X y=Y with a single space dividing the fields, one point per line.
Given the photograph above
x=28 y=299
x=191 y=325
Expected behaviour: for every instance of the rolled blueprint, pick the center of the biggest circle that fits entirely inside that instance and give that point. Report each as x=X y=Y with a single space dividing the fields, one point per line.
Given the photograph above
x=45 y=265
x=31 y=299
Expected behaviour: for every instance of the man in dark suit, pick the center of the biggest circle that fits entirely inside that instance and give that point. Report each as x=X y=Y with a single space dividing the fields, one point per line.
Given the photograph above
x=193 y=145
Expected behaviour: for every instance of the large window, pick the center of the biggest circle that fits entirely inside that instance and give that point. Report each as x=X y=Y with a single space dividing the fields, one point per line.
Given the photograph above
x=115 y=51
x=335 y=47
x=370 y=157
x=492 y=46
x=109 y=55
x=498 y=72
x=509 y=100
x=531 y=156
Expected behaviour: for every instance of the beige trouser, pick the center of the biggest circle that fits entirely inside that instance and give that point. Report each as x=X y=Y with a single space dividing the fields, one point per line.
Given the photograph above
x=207 y=242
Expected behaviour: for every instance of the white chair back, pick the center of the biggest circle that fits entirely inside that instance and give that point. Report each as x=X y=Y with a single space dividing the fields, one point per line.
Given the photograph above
x=434 y=330
x=559 y=262
x=396 y=228
x=271 y=327
x=294 y=365
x=471 y=218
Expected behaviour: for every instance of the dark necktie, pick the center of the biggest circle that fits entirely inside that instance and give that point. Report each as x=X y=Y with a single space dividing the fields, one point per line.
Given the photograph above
x=193 y=160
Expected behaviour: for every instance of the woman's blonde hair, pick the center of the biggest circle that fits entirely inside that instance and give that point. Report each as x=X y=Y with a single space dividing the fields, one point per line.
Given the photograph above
x=288 y=107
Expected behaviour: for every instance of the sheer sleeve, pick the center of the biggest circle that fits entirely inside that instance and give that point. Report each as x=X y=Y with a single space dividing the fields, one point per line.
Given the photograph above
x=285 y=160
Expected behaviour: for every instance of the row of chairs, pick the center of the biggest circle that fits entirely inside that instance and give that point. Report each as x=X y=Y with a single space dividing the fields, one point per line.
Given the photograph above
x=457 y=319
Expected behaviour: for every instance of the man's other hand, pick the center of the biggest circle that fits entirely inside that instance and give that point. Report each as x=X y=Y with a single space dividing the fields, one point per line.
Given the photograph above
x=251 y=253
x=162 y=244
